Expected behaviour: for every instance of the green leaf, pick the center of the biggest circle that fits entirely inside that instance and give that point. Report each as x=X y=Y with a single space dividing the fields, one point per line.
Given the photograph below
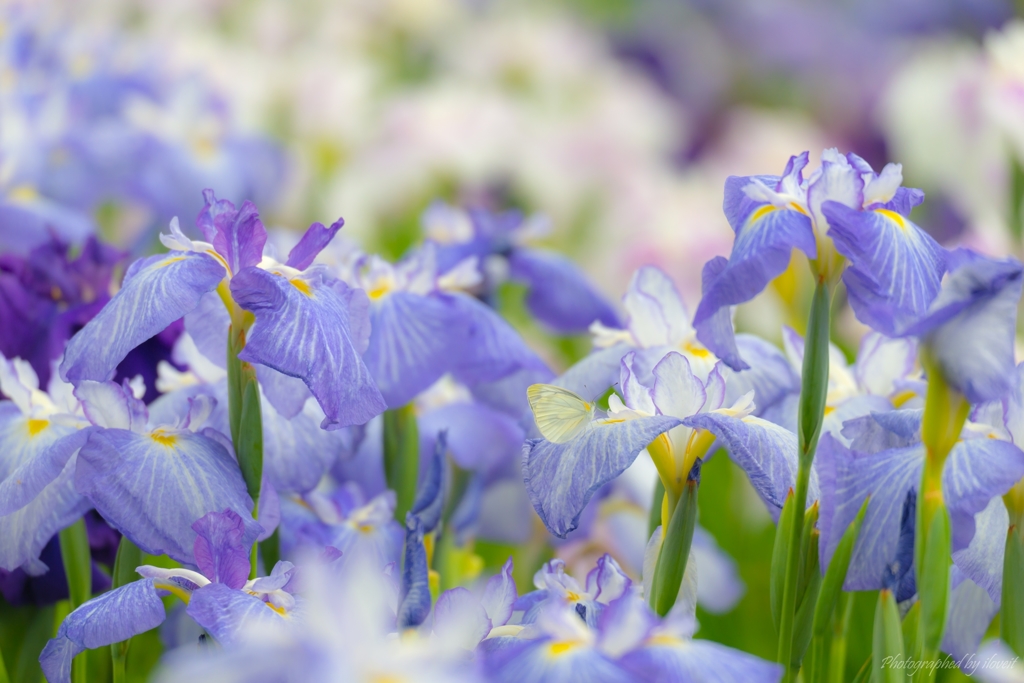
x=675 y=550
x=911 y=629
x=1011 y=623
x=249 y=445
x=814 y=379
x=74 y=549
x=654 y=514
x=933 y=582
x=780 y=552
x=888 y=651
x=401 y=456
x=809 y=586
x=270 y=549
x=129 y=557
x=835 y=575
x=40 y=630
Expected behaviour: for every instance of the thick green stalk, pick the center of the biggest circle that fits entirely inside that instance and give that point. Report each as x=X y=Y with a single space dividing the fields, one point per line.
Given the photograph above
x=675 y=548
x=401 y=456
x=74 y=548
x=246 y=420
x=813 y=392
x=129 y=557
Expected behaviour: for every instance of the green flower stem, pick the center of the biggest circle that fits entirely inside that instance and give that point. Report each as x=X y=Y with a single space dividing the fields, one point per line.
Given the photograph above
x=129 y=557
x=74 y=548
x=401 y=457
x=813 y=392
x=675 y=547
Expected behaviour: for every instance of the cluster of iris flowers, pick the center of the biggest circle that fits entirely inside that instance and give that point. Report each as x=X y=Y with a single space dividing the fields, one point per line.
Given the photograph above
x=281 y=452
x=332 y=430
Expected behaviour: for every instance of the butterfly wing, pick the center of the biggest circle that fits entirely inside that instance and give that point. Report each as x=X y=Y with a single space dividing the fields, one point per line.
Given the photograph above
x=560 y=414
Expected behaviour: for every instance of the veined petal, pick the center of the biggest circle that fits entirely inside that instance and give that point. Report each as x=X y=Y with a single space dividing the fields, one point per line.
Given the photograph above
x=237 y=235
x=770 y=375
x=490 y=348
x=678 y=660
x=108 y=618
x=970 y=613
x=500 y=596
x=219 y=552
x=835 y=181
x=760 y=253
x=312 y=243
x=561 y=478
x=765 y=451
x=225 y=612
x=35 y=453
x=716 y=330
x=676 y=391
x=982 y=560
x=971 y=324
x=152 y=487
x=302 y=330
x=894 y=267
x=25 y=532
x=409 y=344
x=976 y=471
x=848 y=477
x=560 y=295
x=156 y=291
x=657 y=316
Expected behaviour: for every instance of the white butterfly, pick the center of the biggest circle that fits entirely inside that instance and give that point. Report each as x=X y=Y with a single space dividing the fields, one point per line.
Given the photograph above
x=560 y=414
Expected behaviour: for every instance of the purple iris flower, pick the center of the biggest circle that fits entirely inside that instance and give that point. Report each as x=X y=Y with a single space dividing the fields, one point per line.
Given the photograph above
x=559 y=294
x=604 y=583
x=423 y=326
x=220 y=597
x=308 y=325
x=842 y=210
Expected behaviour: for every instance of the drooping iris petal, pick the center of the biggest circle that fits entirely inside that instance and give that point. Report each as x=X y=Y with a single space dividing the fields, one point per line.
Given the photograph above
x=971 y=324
x=219 y=552
x=716 y=331
x=237 y=235
x=108 y=618
x=970 y=613
x=848 y=477
x=156 y=291
x=976 y=471
x=483 y=347
x=560 y=295
x=982 y=560
x=765 y=239
x=208 y=324
x=152 y=487
x=312 y=243
x=302 y=330
x=408 y=348
x=561 y=478
x=286 y=394
x=765 y=451
x=894 y=267
x=679 y=660
x=224 y=612
x=35 y=453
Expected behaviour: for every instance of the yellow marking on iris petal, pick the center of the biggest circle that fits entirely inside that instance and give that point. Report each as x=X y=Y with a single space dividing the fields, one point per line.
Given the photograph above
x=169 y=261
x=365 y=528
x=302 y=286
x=762 y=212
x=696 y=350
x=23 y=193
x=797 y=207
x=829 y=410
x=902 y=397
x=385 y=678
x=36 y=426
x=378 y=292
x=893 y=216
x=613 y=420
x=163 y=438
x=664 y=639
x=174 y=589
x=572 y=597
x=280 y=610
x=561 y=647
